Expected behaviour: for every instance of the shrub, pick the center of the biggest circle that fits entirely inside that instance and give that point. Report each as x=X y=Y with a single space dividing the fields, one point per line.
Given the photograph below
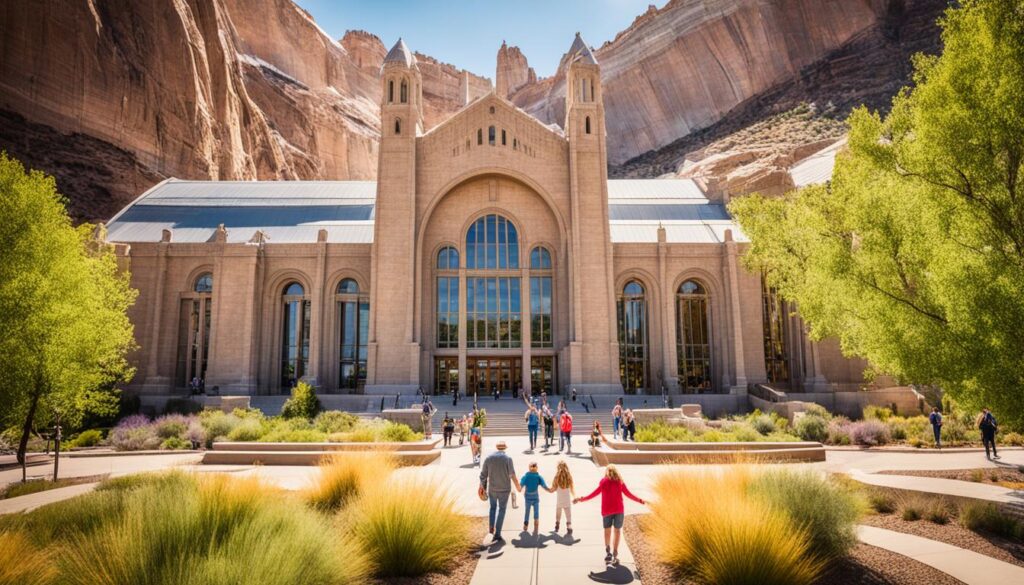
x=346 y=476
x=763 y=424
x=1014 y=439
x=811 y=427
x=290 y=436
x=182 y=406
x=910 y=512
x=812 y=409
x=22 y=563
x=882 y=501
x=937 y=513
x=398 y=433
x=302 y=404
x=409 y=527
x=704 y=525
x=839 y=431
x=827 y=511
x=89 y=438
x=170 y=425
x=746 y=434
x=196 y=434
x=247 y=430
x=976 y=475
x=134 y=433
x=954 y=432
x=879 y=413
x=659 y=432
x=869 y=432
x=335 y=421
x=175 y=443
x=915 y=442
x=217 y=424
x=987 y=517
x=212 y=529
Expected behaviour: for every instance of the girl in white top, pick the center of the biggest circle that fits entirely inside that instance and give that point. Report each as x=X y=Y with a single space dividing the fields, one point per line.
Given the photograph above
x=565 y=493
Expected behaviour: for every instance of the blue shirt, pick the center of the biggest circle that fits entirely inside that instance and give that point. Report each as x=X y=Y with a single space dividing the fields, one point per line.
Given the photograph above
x=531 y=482
x=532 y=420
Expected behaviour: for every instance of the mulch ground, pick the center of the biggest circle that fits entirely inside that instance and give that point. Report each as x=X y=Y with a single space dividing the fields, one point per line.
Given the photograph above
x=459 y=573
x=865 y=565
x=954 y=534
x=991 y=475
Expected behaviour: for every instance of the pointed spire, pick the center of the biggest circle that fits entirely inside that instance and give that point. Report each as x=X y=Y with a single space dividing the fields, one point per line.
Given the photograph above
x=400 y=53
x=581 y=51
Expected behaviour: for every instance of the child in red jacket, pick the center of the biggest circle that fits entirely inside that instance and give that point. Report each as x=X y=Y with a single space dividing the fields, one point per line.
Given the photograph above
x=611 y=488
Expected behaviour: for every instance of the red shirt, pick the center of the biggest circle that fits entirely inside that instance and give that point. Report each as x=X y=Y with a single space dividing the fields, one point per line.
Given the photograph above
x=611 y=496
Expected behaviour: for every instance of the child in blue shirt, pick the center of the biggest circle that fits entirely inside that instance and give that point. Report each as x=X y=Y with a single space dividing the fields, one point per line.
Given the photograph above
x=531 y=484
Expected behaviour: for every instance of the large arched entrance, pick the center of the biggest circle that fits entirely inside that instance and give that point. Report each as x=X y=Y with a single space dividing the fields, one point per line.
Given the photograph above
x=495 y=298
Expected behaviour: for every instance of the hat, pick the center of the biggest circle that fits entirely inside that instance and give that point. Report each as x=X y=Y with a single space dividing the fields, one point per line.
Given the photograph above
x=501 y=445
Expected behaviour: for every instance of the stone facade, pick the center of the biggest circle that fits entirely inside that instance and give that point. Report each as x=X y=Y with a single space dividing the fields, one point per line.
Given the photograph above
x=489 y=160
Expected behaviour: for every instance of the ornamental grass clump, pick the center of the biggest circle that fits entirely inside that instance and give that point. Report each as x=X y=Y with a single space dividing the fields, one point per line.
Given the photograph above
x=22 y=563
x=822 y=507
x=707 y=527
x=346 y=476
x=408 y=526
x=211 y=530
x=987 y=517
x=811 y=427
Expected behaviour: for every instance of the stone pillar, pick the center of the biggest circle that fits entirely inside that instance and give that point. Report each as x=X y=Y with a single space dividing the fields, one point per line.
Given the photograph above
x=666 y=320
x=740 y=385
x=463 y=372
x=317 y=320
x=525 y=329
x=154 y=382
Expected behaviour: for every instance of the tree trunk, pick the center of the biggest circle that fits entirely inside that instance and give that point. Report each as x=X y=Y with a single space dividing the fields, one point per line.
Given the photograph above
x=26 y=431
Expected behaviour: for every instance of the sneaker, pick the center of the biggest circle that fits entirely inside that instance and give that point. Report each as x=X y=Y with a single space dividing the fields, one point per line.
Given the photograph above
x=607 y=556
x=615 y=559
x=526 y=527
x=497 y=538
x=568 y=531
x=556 y=526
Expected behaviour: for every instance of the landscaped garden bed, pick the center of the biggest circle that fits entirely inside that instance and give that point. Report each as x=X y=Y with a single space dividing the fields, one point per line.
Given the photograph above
x=744 y=525
x=1008 y=477
x=356 y=524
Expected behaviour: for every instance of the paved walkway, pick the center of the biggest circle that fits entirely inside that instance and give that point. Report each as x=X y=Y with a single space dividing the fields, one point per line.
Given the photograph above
x=948 y=487
x=33 y=501
x=968 y=566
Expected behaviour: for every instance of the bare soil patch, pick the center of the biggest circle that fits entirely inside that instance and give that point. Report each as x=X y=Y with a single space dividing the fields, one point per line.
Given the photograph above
x=952 y=533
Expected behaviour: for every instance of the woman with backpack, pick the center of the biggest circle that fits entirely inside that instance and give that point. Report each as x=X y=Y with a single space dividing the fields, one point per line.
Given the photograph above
x=565 y=434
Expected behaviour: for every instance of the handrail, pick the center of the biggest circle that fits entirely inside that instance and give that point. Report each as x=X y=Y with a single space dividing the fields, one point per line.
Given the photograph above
x=764 y=392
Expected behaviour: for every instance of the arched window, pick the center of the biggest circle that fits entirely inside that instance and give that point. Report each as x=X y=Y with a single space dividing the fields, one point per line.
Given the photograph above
x=404 y=94
x=448 y=259
x=294 y=335
x=490 y=135
x=540 y=297
x=391 y=91
x=398 y=126
x=540 y=258
x=204 y=284
x=588 y=124
x=503 y=143
x=479 y=136
x=693 y=338
x=633 y=353
x=353 y=334
x=492 y=301
x=194 y=323
x=776 y=350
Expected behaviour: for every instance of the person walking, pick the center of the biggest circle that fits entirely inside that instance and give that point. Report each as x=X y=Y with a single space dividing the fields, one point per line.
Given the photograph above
x=549 y=426
x=574 y=394
x=448 y=429
x=613 y=509
x=616 y=418
x=463 y=425
x=426 y=415
x=935 y=418
x=497 y=476
x=565 y=434
x=988 y=426
x=455 y=396
x=565 y=491
x=532 y=425
x=530 y=486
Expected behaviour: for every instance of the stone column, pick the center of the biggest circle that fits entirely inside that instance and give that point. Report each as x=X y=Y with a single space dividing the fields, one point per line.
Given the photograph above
x=463 y=373
x=740 y=386
x=317 y=312
x=154 y=381
x=526 y=329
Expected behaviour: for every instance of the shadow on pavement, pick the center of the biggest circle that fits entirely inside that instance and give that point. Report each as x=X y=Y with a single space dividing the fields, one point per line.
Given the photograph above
x=530 y=540
x=613 y=574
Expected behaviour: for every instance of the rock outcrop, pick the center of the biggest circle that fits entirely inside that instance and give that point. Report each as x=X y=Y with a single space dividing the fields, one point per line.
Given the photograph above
x=199 y=89
x=683 y=67
x=513 y=71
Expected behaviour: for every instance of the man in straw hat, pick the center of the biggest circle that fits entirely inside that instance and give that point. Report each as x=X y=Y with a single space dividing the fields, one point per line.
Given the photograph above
x=497 y=476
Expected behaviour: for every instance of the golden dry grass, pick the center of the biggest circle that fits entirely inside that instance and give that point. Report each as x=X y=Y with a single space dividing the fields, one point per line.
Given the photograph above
x=346 y=475
x=706 y=526
x=21 y=563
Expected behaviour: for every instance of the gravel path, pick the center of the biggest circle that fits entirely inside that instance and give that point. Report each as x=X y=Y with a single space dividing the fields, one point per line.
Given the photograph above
x=866 y=565
x=954 y=534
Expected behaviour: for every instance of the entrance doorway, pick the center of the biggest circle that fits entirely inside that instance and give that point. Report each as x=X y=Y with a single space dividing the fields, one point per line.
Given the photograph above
x=485 y=375
x=446 y=375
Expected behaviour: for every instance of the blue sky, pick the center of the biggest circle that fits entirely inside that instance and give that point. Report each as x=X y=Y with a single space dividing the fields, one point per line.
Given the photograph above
x=467 y=33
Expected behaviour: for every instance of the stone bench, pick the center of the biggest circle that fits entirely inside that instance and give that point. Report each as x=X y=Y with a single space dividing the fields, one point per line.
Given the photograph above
x=305 y=457
x=722 y=446
x=708 y=453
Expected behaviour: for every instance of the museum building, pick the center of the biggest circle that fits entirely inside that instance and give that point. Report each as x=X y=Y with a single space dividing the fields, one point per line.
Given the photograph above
x=492 y=253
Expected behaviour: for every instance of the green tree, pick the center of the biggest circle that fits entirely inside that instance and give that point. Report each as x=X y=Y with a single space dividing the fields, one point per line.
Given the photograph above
x=913 y=255
x=63 y=309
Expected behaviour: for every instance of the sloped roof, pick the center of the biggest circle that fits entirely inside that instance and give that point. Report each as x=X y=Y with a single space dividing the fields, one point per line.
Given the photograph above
x=816 y=168
x=295 y=211
x=580 y=50
x=400 y=53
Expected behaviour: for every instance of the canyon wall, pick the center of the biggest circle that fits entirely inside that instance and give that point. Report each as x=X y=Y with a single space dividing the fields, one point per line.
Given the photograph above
x=683 y=67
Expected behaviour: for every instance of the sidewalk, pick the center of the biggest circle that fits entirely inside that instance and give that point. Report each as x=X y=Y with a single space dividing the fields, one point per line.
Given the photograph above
x=968 y=566
x=33 y=501
x=947 y=487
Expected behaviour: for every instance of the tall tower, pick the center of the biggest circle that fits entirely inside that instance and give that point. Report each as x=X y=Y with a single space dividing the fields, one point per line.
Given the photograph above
x=393 y=360
x=594 y=349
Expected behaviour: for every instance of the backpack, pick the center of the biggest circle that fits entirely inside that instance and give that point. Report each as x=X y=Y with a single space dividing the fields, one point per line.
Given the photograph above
x=566 y=424
x=426 y=408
